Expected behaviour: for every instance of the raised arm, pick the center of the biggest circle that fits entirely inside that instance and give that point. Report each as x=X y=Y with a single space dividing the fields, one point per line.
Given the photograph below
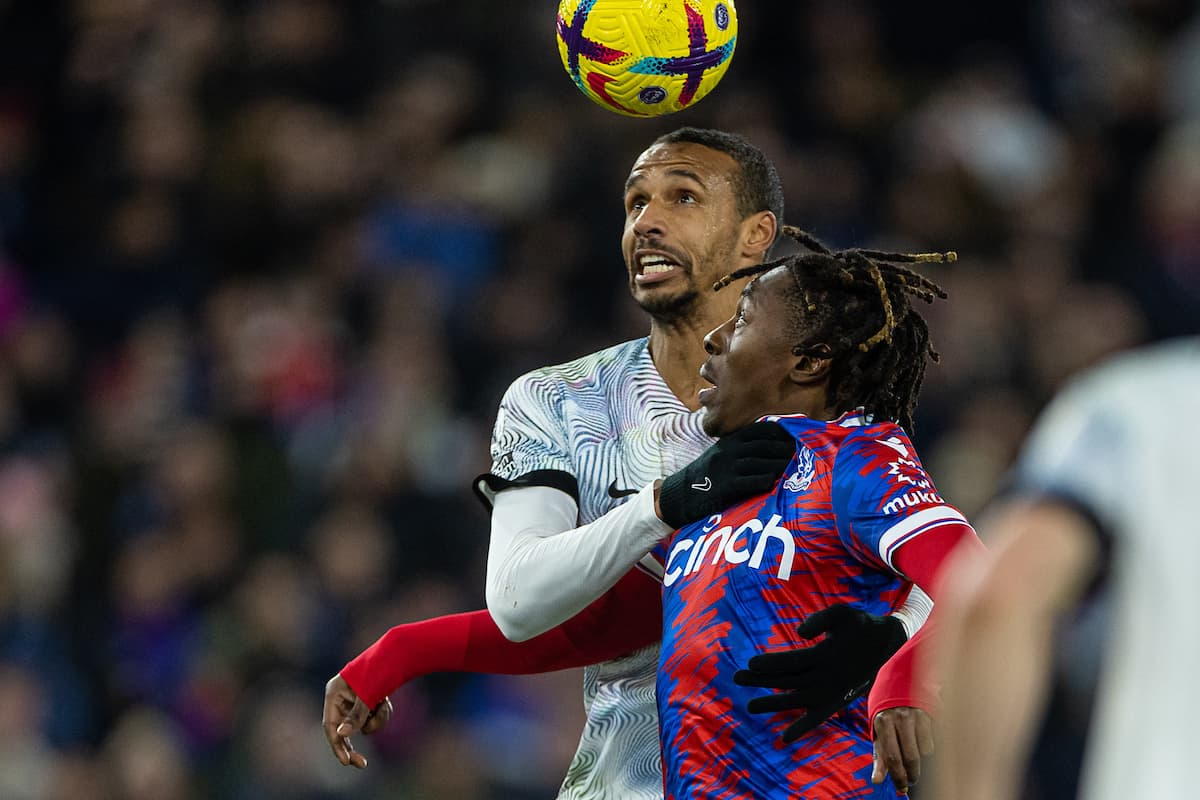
x=625 y=618
x=543 y=566
x=543 y=569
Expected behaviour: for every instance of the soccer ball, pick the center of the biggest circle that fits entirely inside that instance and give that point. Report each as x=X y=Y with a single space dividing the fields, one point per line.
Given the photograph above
x=646 y=57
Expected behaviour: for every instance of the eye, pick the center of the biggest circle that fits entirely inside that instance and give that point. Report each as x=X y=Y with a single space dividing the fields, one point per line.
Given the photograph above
x=635 y=203
x=687 y=197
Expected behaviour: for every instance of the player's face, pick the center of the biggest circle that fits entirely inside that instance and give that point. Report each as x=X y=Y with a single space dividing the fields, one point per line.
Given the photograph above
x=681 y=226
x=749 y=359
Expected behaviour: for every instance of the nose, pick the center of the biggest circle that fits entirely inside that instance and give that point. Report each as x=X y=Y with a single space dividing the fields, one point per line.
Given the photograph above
x=714 y=341
x=649 y=221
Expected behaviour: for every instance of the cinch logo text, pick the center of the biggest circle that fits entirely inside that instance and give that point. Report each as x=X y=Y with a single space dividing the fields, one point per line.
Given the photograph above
x=745 y=544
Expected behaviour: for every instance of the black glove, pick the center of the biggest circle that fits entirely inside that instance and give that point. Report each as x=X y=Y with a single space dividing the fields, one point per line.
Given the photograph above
x=744 y=463
x=829 y=675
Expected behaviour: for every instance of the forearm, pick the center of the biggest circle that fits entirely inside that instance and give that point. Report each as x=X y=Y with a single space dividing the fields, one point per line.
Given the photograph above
x=627 y=617
x=410 y=651
x=543 y=570
x=993 y=703
x=995 y=652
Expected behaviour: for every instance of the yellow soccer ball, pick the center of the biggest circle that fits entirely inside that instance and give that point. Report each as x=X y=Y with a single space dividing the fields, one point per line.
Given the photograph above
x=646 y=57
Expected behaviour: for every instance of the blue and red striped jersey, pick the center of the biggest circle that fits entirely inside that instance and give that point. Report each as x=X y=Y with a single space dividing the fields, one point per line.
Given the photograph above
x=738 y=583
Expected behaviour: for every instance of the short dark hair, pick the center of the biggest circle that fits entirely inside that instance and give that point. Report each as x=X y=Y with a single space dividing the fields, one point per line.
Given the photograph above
x=852 y=306
x=757 y=185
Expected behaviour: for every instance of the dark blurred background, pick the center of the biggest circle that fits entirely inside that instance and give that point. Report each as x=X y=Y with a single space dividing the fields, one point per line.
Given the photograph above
x=266 y=267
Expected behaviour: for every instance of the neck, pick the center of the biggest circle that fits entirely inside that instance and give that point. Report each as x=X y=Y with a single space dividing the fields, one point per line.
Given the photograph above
x=814 y=404
x=677 y=349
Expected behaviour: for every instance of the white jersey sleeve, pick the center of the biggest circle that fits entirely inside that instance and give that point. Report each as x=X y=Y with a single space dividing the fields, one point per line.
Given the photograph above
x=530 y=443
x=544 y=567
x=542 y=570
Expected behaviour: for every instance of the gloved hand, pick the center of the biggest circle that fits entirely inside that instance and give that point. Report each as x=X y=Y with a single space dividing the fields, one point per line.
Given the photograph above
x=744 y=463
x=826 y=677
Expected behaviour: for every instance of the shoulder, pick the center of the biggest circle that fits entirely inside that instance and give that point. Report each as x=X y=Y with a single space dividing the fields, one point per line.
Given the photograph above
x=885 y=434
x=874 y=445
x=1111 y=426
x=885 y=438
x=1167 y=372
x=547 y=395
x=851 y=433
x=878 y=457
x=600 y=364
x=1124 y=395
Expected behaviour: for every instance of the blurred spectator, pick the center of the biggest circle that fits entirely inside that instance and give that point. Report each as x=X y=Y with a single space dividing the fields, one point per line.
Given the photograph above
x=26 y=762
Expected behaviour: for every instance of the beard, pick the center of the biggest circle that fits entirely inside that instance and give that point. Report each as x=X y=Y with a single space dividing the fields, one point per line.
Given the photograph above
x=670 y=308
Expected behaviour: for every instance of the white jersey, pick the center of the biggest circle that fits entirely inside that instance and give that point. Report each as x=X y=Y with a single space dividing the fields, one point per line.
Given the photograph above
x=1124 y=445
x=600 y=428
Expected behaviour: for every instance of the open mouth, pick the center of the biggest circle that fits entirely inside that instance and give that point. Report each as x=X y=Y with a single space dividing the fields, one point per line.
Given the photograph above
x=655 y=267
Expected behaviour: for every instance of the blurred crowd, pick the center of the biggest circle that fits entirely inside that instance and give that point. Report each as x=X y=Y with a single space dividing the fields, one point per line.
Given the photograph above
x=266 y=268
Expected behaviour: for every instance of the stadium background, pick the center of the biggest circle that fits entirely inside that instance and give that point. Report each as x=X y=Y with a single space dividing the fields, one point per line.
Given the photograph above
x=266 y=267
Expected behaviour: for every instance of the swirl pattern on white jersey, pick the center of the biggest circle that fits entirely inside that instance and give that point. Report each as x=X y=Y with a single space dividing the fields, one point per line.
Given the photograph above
x=609 y=420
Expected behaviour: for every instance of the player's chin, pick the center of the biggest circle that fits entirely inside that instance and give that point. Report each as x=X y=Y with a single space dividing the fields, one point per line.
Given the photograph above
x=658 y=293
x=711 y=420
x=664 y=301
x=721 y=420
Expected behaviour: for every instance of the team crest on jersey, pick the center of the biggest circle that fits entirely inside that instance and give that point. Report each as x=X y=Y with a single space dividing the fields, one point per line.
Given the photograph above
x=806 y=470
x=908 y=471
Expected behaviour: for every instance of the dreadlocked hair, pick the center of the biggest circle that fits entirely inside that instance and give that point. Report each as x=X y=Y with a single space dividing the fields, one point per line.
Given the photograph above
x=852 y=306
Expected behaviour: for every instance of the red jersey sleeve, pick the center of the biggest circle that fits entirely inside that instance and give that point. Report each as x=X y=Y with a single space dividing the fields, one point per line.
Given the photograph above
x=901 y=681
x=627 y=617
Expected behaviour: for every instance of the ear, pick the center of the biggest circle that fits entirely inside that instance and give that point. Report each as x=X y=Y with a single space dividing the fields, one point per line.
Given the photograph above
x=758 y=234
x=812 y=369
